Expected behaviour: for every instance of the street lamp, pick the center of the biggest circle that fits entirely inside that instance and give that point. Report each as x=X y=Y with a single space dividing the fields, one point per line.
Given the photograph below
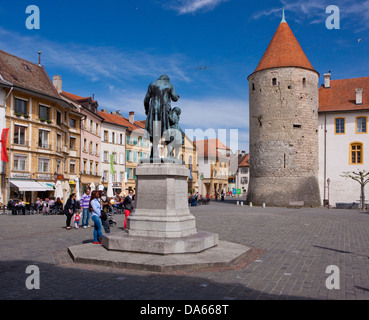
x=328 y=182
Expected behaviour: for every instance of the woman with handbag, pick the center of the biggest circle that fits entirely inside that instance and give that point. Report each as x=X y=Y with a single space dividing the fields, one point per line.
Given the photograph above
x=69 y=209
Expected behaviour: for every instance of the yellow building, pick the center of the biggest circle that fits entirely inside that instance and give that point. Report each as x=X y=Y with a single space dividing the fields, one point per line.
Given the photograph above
x=44 y=133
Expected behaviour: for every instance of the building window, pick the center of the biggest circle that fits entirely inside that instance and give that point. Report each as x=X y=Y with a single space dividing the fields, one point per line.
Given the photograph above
x=44 y=112
x=72 y=143
x=356 y=153
x=73 y=123
x=106 y=134
x=58 y=142
x=72 y=167
x=19 y=135
x=43 y=139
x=304 y=82
x=20 y=107
x=20 y=163
x=106 y=155
x=58 y=118
x=128 y=156
x=274 y=81
x=340 y=126
x=43 y=165
x=361 y=125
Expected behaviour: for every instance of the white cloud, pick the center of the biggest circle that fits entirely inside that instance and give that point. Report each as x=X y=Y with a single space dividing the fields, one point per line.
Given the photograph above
x=354 y=13
x=96 y=63
x=193 y=6
x=207 y=113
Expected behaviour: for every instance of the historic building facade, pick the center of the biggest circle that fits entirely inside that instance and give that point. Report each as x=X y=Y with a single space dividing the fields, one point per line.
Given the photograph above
x=90 y=142
x=213 y=166
x=343 y=137
x=44 y=132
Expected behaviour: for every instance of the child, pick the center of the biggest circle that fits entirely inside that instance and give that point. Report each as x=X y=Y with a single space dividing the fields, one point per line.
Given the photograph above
x=77 y=218
x=175 y=132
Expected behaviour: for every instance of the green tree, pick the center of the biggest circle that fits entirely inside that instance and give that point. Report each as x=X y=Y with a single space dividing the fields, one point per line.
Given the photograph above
x=363 y=178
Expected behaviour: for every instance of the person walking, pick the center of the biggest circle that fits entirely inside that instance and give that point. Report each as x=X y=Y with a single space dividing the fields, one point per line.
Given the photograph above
x=85 y=204
x=95 y=209
x=69 y=209
x=128 y=207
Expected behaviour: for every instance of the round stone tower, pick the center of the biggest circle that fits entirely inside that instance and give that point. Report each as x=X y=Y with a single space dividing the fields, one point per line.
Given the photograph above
x=284 y=159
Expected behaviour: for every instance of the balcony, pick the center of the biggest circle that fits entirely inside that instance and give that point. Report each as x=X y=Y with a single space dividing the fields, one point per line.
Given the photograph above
x=44 y=146
x=22 y=144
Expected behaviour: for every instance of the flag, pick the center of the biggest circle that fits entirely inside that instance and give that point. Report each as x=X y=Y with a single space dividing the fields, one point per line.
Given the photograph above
x=4 y=145
x=112 y=159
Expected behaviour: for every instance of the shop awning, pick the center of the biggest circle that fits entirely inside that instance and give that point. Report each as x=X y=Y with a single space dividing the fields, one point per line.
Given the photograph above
x=49 y=186
x=28 y=185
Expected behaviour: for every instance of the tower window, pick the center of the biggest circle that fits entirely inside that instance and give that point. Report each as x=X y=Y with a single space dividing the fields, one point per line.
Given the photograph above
x=304 y=82
x=274 y=81
x=253 y=87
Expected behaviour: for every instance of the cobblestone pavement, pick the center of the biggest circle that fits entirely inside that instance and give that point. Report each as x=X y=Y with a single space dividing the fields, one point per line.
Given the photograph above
x=291 y=250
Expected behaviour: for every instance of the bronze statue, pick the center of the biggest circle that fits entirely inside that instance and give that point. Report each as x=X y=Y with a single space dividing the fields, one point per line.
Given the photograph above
x=158 y=109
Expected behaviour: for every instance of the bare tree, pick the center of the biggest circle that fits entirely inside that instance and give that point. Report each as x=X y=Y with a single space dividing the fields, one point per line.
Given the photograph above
x=363 y=178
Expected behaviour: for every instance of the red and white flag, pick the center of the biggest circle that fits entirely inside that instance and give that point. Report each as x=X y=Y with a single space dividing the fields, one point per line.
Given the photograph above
x=4 y=145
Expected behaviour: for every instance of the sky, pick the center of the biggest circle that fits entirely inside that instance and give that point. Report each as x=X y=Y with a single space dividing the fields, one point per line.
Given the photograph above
x=114 y=49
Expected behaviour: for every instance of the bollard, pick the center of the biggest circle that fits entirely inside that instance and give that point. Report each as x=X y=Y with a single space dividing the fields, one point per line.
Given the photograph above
x=242 y=204
x=264 y=205
x=238 y=203
x=250 y=204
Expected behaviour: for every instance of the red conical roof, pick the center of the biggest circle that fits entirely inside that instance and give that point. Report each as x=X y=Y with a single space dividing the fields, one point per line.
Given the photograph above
x=284 y=51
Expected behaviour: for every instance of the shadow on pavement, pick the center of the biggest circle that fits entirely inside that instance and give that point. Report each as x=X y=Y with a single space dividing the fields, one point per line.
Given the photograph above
x=91 y=283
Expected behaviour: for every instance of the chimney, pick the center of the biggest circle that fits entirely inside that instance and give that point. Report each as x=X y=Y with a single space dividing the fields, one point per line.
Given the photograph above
x=359 y=96
x=327 y=80
x=132 y=117
x=58 y=83
x=104 y=111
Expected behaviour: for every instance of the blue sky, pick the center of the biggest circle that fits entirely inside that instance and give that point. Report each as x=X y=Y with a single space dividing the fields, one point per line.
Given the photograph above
x=115 y=49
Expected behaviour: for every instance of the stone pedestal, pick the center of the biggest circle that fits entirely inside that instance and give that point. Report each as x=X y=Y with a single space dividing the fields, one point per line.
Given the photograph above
x=162 y=234
x=162 y=222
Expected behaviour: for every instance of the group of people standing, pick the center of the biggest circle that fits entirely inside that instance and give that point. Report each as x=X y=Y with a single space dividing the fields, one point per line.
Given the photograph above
x=92 y=206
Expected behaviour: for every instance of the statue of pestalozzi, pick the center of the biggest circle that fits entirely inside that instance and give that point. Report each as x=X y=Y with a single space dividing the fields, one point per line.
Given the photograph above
x=158 y=108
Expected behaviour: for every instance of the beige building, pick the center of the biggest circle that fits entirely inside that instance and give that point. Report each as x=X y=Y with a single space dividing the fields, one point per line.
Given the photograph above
x=213 y=166
x=44 y=133
x=90 y=146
